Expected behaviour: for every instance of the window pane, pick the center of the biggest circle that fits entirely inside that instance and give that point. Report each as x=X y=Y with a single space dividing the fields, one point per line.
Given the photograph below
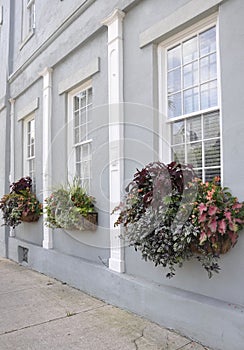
x=212 y=153
x=174 y=80
x=209 y=96
x=193 y=129
x=78 y=170
x=82 y=116
x=208 y=68
x=178 y=133
x=83 y=132
x=174 y=105
x=190 y=100
x=194 y=154
x=32 y=150
x=76 y=103
x=85 y=171
x=89 y=96
x=76 y=117
x=211 y=127
x=178 y=154
x=190 y=50
x=198 y=173
x=77 y=135
x=174 y=57
x=85 y=151
x=77 y=154
x=207 y=41
x=190 y=74
x=211 y=173
x=83 y=99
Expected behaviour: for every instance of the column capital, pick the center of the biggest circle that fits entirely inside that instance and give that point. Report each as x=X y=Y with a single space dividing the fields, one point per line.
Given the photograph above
x=11 y=100
x=117 y=14
x=45 y=71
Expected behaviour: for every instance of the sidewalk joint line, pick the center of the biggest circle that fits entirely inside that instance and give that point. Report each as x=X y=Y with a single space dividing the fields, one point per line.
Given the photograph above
x=49 y=321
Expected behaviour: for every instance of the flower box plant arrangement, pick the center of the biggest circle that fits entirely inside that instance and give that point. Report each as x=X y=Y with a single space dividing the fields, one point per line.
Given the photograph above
x=70 y=207
x=172 y=216
x=20 y=204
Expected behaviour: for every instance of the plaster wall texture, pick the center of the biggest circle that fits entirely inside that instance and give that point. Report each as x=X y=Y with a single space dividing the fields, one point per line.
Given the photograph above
x=188 y=299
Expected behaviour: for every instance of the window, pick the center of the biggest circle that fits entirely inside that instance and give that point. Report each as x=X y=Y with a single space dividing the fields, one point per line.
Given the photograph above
x=28 y=19
x=29 y=149
x=192 y=105
x=81 y=104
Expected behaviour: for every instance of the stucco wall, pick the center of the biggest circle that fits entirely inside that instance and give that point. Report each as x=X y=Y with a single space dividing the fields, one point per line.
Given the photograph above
x=80 y=43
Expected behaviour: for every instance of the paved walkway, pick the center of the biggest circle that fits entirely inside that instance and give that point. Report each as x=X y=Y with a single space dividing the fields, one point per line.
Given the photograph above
x=39 y=313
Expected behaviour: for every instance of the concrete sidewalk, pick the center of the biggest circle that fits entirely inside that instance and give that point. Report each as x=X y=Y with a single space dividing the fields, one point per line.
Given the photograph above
x=38 y=312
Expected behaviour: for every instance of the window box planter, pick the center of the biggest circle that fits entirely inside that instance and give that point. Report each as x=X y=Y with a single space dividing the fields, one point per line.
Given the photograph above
x=20 y=204
x=171 y=216
x=70 y=208
x=31 y=217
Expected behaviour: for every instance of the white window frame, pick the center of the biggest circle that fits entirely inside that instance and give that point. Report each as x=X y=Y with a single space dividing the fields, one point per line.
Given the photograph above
x=164 y=121
x=71 y=141
x=28 y=27
x=27 y=158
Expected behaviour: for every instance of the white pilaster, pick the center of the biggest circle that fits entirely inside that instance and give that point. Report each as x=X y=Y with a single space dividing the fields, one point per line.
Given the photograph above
x=46 y=149
x=12 y=151
x=116 y=131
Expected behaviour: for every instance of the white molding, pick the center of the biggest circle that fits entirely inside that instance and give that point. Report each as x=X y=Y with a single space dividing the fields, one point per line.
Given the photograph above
x=193 y=10
x=46 y=149
x=25 y=141
x=116 y=131
x=12 y=150
x=79 y=77
x=2 y=103
x=70 y=128
x=29 y=109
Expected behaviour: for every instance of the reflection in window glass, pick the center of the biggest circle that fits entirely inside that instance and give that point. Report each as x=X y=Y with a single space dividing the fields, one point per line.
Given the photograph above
x=82 y=104
x=196 y=141
x=174 y=57
x=192 y=64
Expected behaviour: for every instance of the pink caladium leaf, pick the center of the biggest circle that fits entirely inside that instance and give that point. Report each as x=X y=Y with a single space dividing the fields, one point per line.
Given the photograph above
x=202 y=207
x=237 y=206
x=213 y=225
x=202 y=217
x=228 y=215
x=203 y=237
x=212 y=210
x=222 y=226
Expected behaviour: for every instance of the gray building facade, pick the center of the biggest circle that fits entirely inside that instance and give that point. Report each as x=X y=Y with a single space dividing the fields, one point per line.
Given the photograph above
x=113 y=57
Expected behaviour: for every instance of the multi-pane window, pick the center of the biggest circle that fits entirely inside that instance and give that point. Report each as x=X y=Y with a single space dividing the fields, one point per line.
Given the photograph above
x=82 y=104
x=30 y=149
x=28 y=18
x=192 y=102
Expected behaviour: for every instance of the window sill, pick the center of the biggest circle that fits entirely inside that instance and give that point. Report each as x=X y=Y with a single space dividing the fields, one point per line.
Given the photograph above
x=27 y=38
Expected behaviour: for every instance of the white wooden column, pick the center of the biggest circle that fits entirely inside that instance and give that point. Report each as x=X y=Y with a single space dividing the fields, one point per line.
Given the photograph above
x=46 y=149
x=12 y=151
x=116 y=131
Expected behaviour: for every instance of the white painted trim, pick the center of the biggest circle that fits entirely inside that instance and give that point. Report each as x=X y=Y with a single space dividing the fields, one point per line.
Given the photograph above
x=12 y=150
x=184 y=15
x=1 y=15
x=116 y=132
x=46 y=150
x=79 y=77
x=29 y=109
x=164 y=123
x=25 y=131
x=70 y=129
